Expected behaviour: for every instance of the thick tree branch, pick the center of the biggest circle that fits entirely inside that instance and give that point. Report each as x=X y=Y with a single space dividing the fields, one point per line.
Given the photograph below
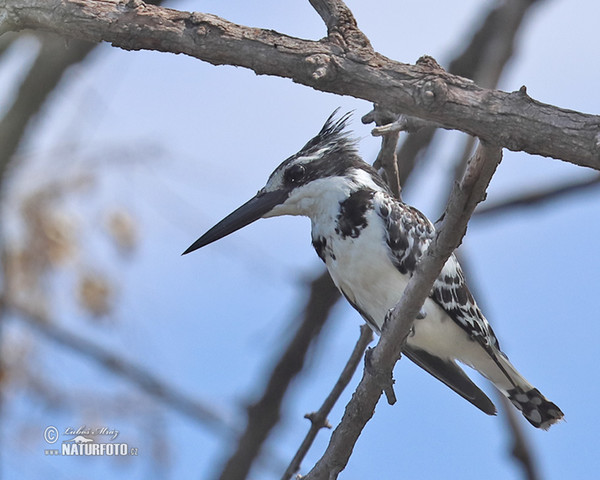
x=465 y=196
x=493 y=44
x=483 y=60
x=513 y=120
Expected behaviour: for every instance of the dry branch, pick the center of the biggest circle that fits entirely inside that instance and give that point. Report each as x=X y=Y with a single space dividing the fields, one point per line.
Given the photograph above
x=341 y=24
x=318 y=419
x=465 y=196
x=482 y=60
x=513 y=120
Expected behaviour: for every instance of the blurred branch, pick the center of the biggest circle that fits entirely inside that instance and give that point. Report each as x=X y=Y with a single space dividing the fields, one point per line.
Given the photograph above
x=6 y=41
x=513 y=120
x=493 y=44
x=143 y=379
x=461 y=204
x=483 y=60
x=53 y=59
x=486 y=60
x=537 y=198
x=55 y=56
x=265 y=413
x=318 y=419
x=520 y=448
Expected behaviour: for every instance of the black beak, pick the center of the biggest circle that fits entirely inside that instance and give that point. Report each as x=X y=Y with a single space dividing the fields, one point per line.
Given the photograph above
x=249 y=212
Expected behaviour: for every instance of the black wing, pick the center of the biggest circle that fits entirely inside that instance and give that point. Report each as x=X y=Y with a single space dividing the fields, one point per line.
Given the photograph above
x=453 y=376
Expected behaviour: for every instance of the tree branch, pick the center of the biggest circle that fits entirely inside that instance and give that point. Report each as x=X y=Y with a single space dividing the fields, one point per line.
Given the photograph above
x=493 y=44
x=538 y=197
x=143 y=379
x=341 y=23
x=513 y=120
x=483 y=60
x=53 y=59
x=465 y=196
x=520 y=448
x=265 y=413
x=318 y=419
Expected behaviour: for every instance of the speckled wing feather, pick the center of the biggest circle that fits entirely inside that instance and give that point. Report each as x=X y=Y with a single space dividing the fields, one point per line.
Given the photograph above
x=450 y=291
x=409 y=233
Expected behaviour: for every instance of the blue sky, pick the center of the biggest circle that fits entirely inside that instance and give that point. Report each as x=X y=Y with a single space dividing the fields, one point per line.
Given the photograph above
x=181 y=143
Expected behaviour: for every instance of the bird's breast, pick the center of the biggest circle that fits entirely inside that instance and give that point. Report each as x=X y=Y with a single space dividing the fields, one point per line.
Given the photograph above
x=361 y=267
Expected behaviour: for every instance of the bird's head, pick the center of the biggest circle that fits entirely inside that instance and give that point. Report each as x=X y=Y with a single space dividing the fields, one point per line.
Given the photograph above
x=325 y=171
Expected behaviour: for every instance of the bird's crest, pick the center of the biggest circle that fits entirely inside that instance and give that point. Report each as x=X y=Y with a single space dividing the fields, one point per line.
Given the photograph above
x=333 y=133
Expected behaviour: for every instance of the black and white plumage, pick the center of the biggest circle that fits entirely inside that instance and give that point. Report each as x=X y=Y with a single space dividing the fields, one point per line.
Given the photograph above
x=371 y=243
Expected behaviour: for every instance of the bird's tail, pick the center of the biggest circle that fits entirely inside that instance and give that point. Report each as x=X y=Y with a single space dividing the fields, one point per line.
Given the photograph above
x=537 y=409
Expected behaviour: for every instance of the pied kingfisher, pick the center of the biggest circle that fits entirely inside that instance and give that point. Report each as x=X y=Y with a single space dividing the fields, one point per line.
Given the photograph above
x=371 y=243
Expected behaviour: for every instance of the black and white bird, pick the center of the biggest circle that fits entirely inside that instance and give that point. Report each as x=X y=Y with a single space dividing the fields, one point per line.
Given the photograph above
x=371 y=243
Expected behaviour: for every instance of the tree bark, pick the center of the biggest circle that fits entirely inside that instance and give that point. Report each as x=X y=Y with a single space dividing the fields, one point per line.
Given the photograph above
x=512 y=120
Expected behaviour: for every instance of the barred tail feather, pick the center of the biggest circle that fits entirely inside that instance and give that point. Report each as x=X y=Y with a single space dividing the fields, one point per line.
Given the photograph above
x=538 y=411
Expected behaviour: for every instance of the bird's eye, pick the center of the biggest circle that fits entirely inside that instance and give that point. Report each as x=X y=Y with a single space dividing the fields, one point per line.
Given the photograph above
x=295 y=173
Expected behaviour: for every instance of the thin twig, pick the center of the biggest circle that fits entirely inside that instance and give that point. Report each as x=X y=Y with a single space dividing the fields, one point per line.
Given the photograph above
x=389 y=126
x=361 y=407
x=264 y=414
x=388 y=161
x=318 y=419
